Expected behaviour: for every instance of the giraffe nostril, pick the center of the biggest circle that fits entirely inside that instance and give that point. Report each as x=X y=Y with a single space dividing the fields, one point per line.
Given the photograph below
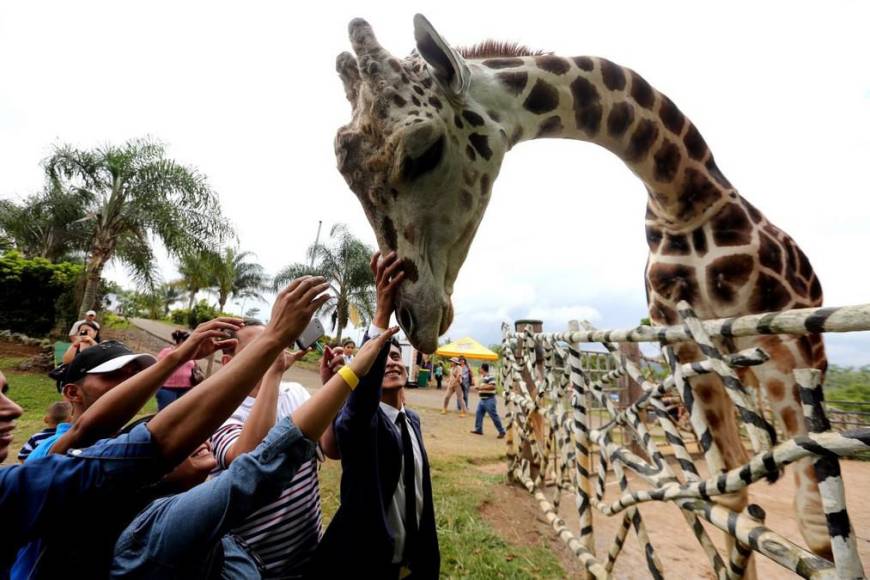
x=406 y=320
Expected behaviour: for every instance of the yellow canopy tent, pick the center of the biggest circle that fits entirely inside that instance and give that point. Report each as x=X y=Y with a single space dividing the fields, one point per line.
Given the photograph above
x=467 y=347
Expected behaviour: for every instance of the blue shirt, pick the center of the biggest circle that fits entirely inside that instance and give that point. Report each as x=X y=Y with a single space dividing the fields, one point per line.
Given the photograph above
x=43 y=496
x=42 y=450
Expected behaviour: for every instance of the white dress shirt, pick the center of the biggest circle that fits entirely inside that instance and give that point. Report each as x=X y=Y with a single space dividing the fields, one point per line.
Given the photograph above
x=396 y=508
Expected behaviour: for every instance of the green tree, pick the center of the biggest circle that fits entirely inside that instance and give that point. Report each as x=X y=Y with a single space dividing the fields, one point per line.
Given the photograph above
x=345 y=264
x=130 y=194
x=50 y=225
x=195 y=269
x=232 y=276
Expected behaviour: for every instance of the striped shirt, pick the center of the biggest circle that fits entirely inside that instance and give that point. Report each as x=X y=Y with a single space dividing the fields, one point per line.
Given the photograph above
x=34 y=441
x=285 y=533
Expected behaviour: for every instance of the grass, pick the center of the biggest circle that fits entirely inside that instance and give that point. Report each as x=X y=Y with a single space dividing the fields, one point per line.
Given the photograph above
x=34 y=392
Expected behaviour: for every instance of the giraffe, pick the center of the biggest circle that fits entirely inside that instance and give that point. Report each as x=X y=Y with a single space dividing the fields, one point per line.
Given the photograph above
x=424 y=147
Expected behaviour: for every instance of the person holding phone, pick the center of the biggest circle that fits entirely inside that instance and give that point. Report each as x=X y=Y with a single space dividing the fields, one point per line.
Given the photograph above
x=88 y=335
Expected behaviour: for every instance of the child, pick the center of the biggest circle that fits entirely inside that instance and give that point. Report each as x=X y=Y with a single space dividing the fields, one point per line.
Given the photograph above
x=487 y=403
x=56 y=413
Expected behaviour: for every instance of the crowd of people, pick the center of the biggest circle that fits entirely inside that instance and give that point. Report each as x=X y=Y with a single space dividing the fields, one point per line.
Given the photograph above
x=222 y=480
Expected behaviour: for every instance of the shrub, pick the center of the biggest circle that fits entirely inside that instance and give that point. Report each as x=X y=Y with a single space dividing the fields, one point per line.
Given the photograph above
x=31 y=291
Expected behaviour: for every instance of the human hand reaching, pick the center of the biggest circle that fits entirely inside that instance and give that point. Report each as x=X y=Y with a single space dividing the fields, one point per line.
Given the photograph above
x=330 y=362
x=295 y=305
x=287 y=359
x=388 y=275
x=208 y=338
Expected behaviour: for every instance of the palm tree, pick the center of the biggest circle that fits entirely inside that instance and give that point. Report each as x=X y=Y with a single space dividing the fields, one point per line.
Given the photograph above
x=345 y=264
x=49 y=224
x=195 y=269
x=234 y=277
x=129 y=194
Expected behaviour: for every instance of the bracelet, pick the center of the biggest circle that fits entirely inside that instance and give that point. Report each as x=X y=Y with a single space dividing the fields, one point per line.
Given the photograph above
x=349 y=376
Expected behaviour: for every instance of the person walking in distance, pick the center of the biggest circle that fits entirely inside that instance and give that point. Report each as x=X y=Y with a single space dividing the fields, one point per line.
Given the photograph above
x=454 y=386
x=487 y=404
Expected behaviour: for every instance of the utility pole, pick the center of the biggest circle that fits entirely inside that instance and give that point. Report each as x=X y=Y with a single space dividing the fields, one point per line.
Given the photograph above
x=316 y=241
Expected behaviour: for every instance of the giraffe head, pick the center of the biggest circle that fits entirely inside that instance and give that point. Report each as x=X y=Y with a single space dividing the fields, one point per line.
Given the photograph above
x=421 y=154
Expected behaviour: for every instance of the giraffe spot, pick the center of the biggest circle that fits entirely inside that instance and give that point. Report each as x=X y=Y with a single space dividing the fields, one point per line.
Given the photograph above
x=675 y=245
x=494 y=116
x=499 y=63
x=667 y=160
x=409 y=233
x=713 y=419
x=674 y=282
x=698 y=193
x=473 y=118
x=662 y=314
x=791 y=272
x=731 y=227
x=805 y=348
x=641 y=92
x=399 y=101
x=612 y=75
x=804 y=268
x=728 y=274
x=514 y=82
x=816 y=291
x=394 y=192
x=469 y=152
x=416 y=102
x=552 y=64
x=699 y=241
x=769 y=252
x=481 y=145
x=516 y=136
x=412 y=274
x=620 y=117
x=653 y=238
x=769 y=294
x=671 y=116
x=466 y=199
x=543 y=98
x=388 y=230
x=642 y=139
x=484 y=185
x=694 y=143
x=395 y=65
x=705 y=392
x=458 y=122
x=551 y=126
x=583 y=63
x=714 y=172
x=405 y=79
x=419 y=90
x=435 y=102
x=429 y=115
x=426 y=82
x=790 y=420
x=775 y=390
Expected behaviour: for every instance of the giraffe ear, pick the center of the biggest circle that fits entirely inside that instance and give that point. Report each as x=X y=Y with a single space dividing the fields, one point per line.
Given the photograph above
x=446 y=64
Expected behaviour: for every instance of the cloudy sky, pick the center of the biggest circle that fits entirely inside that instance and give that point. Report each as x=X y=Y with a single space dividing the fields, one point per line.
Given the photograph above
x=247 y=93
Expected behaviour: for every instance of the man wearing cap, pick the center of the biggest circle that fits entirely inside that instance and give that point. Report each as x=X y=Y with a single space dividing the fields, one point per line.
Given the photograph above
x=91 y=375
x=90 y=316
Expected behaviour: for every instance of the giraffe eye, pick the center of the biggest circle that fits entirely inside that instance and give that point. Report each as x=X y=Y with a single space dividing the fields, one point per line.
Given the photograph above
x=415 y=167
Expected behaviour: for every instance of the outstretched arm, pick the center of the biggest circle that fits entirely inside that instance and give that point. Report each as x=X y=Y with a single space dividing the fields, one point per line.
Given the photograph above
x=190 y=420
x=114 y=409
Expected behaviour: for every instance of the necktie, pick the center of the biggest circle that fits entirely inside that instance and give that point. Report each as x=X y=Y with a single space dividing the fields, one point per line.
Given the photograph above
x=410 y=484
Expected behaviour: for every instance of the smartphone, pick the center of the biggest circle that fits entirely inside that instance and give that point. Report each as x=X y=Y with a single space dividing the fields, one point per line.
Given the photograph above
x=311 y=335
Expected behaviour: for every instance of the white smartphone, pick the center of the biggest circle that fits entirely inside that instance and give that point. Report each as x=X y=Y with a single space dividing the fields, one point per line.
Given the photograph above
x=309 y=337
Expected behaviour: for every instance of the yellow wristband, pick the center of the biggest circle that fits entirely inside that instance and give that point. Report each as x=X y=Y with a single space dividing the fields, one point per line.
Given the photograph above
x=349 y=376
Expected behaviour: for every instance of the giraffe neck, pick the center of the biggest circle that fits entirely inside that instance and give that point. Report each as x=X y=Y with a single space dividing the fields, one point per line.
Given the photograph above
x=595 y=100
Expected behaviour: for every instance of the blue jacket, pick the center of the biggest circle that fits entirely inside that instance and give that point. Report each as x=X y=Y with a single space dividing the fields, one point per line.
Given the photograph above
x=358 y=542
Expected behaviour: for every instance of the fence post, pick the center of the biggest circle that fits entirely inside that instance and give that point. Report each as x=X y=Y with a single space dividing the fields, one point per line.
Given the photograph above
x=535 y=418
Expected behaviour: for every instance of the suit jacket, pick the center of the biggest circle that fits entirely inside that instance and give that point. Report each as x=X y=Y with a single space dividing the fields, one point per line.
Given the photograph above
x=359 y=542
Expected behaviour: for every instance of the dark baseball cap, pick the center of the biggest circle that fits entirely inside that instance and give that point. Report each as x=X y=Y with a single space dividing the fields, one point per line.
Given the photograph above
x=105 y=357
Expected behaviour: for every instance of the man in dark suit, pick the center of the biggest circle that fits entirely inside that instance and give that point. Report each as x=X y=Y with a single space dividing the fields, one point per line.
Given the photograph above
x=385 y=526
